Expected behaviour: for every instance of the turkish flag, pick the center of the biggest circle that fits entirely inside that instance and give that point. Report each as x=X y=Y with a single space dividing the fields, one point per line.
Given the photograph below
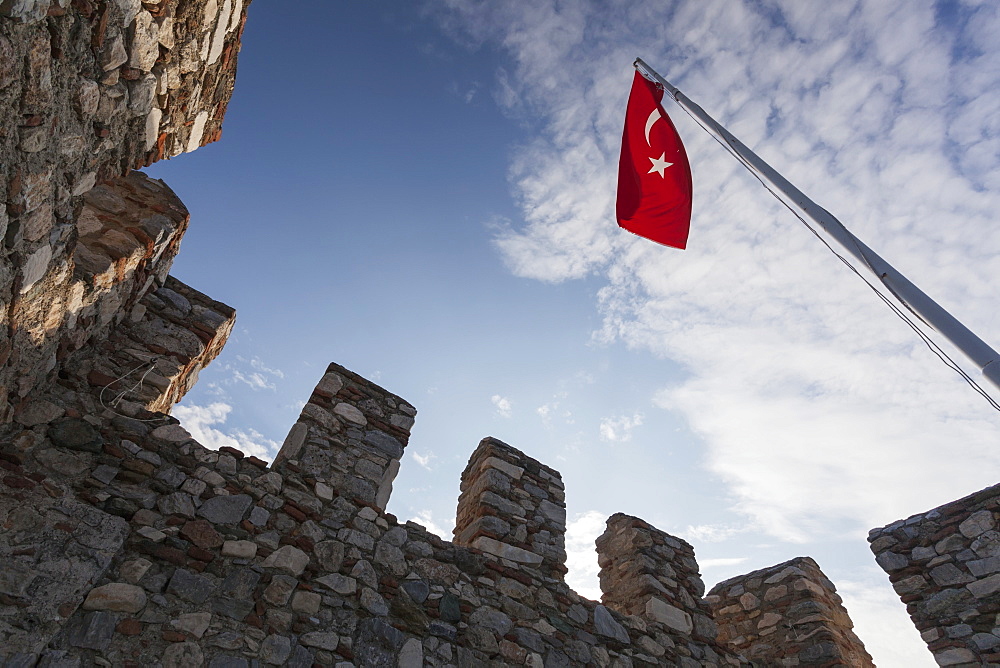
x=654 y=175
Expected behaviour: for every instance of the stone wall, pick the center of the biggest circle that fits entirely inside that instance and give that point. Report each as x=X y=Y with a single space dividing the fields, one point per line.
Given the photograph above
x=787 y=615
x=653 y=575
x=188 y=556
x=88 y=90
x=945 y=566
x=351 y=436
x=117 y=321
x=514 y=508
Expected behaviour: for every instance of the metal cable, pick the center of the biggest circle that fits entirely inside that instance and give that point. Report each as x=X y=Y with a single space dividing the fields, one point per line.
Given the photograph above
x=135 y=387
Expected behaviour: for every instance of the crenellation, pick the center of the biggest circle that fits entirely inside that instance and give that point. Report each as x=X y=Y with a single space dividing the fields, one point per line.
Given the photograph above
x=512 y=507
x=788 y=614
x=649 y=573
x=350 y=435
x=945 y=566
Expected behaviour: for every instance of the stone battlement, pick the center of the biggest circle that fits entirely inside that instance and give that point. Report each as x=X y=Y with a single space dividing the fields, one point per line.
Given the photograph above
x=513 y=508
x=788 y=614
x=200 y=557
x=945 y=566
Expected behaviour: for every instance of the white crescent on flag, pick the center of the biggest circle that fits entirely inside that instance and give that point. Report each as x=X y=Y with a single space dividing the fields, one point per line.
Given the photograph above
x=653 y=117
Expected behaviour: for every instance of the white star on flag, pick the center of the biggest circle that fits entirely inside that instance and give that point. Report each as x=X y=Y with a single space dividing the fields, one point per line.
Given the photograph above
x=659 y=164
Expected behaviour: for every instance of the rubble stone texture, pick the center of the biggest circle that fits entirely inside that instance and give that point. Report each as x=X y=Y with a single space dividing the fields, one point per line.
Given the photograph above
x=196 y=557
x=89 y=90
x=511 y=511
x=787 y=615
x=653 y=575
x=945 y=566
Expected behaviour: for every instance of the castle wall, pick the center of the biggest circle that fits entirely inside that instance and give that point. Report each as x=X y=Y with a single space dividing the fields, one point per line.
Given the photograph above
x=513 y=511
x=350 y=434
x=212 y=558
x=115 y=319
x=945 y=566
x=648 y=573
x=787 y=615
x=89 y=90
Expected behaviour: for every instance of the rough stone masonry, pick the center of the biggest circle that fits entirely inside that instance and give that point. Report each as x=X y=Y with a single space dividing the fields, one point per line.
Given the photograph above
x=125 y=542
x=90 y=89
x=945 y=566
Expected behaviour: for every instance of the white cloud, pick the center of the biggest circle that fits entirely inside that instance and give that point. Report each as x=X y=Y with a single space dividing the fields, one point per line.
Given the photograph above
x=423 y=460
x=619 y=429
x=255 y=380
x=252 y=373
x=201 y=422
x=557 y=407
x=503 y=405
x=876 y=609
x=426 y=519
x=722 y=561
x=798 y=379
x=712 y=533
x=581 y=554
x=258 y=363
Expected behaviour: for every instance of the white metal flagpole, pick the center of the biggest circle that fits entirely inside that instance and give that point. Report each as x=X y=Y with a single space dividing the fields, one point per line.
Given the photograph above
x=977 y=350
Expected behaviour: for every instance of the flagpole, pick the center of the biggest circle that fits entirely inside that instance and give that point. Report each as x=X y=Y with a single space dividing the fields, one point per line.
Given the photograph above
x=977 y=350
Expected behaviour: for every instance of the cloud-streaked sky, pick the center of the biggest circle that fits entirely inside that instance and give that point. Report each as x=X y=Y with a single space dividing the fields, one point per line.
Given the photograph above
x=425 y=194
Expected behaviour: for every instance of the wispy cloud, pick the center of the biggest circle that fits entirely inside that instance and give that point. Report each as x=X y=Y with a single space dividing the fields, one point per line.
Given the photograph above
x=723 y=561
x=504 y=407
x=797 y=377
x=203 y=423
x=423 y=460
x=713 y=533
x=252 y=372
x=255 y=380
x=426 y=519
x=619 y=429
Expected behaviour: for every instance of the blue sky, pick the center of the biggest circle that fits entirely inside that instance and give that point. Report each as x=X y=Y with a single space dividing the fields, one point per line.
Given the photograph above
x=424 y=193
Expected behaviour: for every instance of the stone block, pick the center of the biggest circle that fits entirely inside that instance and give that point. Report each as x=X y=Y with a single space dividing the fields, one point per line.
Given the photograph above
x=190 y=587
x=977 y=523
x=280 y=590
x=239 y=549
x=306 y=602
x=183 y=655
x=93 y=630
x=985 y=587
x=275 y=650
x=193 y=623
x=669 y=615
x=75 y=434
x=288 y=559
x=606 y=625
x=226 y=509
x=116 y=597
x=506 y=551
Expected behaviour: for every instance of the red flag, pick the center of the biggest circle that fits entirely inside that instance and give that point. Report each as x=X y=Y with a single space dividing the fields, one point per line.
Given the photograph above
x=654 y=175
